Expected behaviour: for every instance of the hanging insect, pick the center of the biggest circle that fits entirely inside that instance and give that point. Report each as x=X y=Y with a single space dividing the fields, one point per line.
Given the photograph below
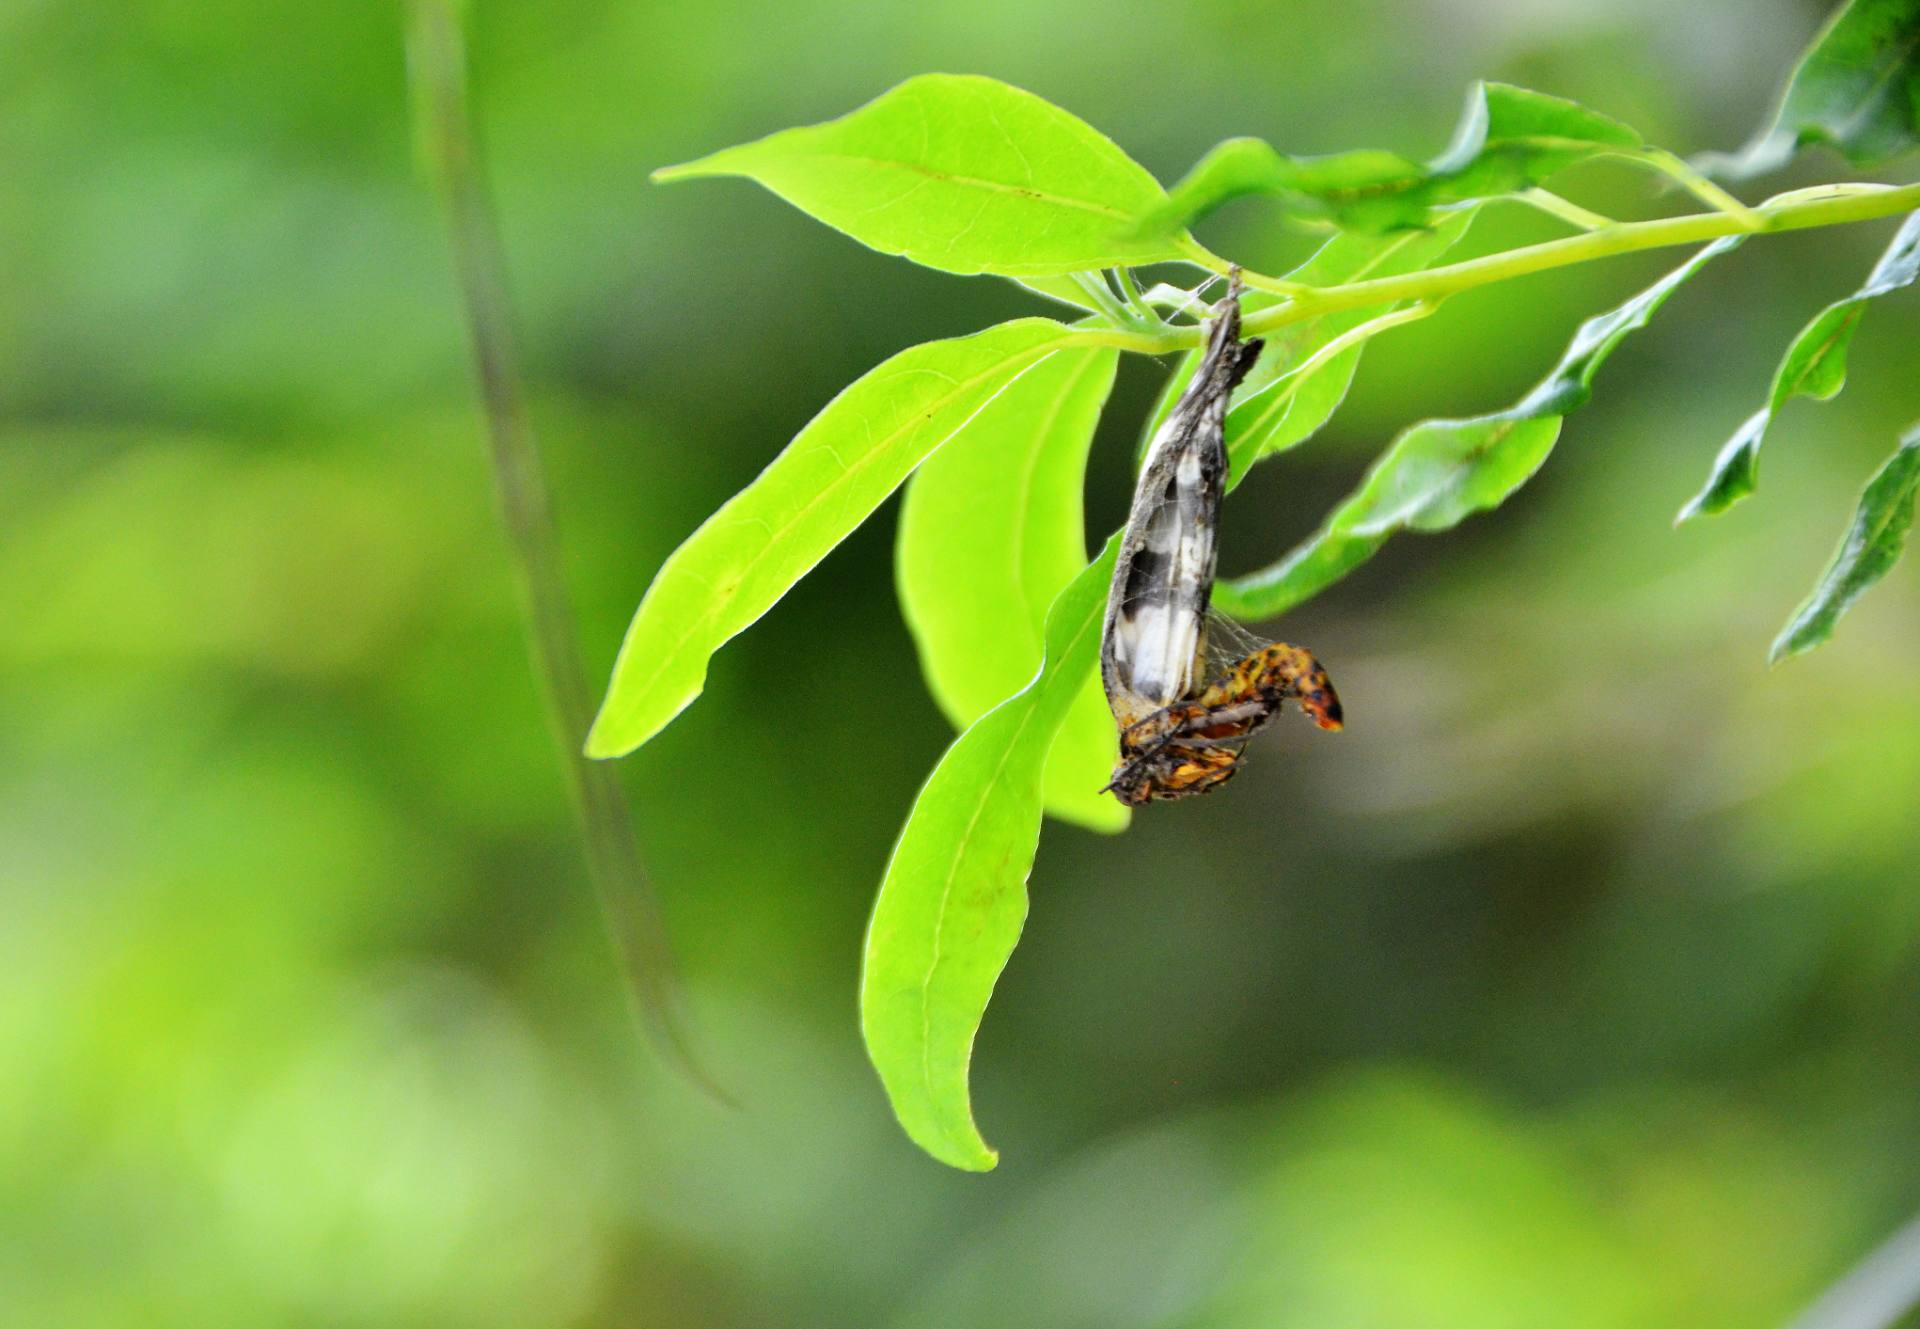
x=1185 y=713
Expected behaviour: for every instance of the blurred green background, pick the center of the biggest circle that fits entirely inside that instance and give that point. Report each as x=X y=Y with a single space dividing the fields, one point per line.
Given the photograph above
x=1574 y=984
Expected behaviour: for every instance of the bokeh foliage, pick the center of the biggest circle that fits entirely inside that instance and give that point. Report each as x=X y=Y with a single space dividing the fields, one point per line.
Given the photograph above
x=1578 y=974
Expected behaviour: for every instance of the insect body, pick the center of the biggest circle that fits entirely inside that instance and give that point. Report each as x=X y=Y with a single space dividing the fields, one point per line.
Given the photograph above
x=1182 y=724
x=1193 y=746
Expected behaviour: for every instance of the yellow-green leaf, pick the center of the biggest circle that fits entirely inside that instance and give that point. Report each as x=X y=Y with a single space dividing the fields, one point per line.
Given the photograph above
x=992 y=528
x=1509 y=139
x=954 y=897
x=812 y=496
x=965 y=174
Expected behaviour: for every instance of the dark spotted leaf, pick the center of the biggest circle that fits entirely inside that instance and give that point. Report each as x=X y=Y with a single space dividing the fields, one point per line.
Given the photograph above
x=964 y=174
x=1508 y=139
x=1815 y=366
x=1872 y=545
x=1856 y=90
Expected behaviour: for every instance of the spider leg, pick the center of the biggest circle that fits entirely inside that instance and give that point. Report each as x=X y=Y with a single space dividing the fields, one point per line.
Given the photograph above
x=1218 y=715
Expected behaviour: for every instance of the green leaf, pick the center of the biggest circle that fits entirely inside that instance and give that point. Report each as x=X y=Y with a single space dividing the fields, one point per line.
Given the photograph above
x=1570 y=385
x=1439 y=472
x=964 y=174
x=1060 y=288
x=1857 y=90
x=1815 y=366
x=823 y=485
x=954 y=897
x=1872 y=545
x=992 y=528
x=1509 y=139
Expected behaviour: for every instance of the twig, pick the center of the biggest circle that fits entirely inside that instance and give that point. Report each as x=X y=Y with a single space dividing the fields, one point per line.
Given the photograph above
x=437 y=72
x=1802 y=209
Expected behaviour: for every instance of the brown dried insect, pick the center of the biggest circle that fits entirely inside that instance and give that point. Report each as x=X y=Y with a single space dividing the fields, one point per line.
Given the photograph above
x=1185 y=716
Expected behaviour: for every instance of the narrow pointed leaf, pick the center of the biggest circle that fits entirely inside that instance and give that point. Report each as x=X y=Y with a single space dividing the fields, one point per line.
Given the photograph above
x=1509 y=139
x=964 y=174
x=1570 y=384
x=812 y=496
x=1856 y=90
x=954 y=897
x=1439 y=472
x=1815 y=366
x=1872 y=545
x=992 y=528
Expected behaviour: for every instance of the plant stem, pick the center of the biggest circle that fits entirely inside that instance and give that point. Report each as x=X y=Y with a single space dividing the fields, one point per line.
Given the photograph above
x=1789 y=213
x=1826 y=205
x=1202 y=257
x=1096 y=289
x=1144 y=314
x=1709 y=193
x=1565 y=209
x=436 y=60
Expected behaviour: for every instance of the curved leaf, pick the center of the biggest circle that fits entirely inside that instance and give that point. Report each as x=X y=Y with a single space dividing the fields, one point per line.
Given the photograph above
x=1439 y=472
x=1873 y=544
x=1857 y=90
x=964 y=174
x=992 y=528
x=836 y=471
x=1508 y=139
x=954 y=897
x=1815 y=365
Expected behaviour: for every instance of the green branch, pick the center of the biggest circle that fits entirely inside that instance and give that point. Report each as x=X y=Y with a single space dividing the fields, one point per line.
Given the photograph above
x=1825 y=205
x=1828 y=205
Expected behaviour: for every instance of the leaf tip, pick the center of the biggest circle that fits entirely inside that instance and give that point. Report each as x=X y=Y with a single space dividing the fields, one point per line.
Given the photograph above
x=979 y=1157
x=619 y=730
x=666 y=175
x=601 y=744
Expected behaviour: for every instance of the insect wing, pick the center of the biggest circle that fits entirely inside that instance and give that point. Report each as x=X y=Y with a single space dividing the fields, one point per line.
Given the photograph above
x=1154 y=634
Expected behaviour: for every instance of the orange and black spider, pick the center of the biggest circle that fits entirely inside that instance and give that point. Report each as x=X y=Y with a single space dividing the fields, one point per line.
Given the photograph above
x=1194 y=747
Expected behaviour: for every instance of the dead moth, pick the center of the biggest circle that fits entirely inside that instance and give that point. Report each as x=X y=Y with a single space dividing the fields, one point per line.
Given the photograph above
x=1185 y=714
